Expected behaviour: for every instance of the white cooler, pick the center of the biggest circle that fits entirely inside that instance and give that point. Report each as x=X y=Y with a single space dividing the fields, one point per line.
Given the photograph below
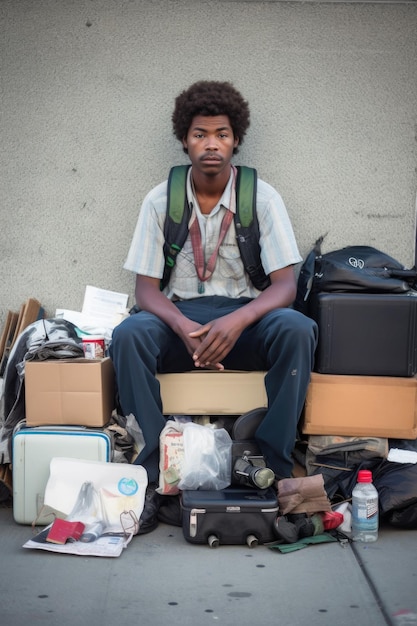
x=33 y=449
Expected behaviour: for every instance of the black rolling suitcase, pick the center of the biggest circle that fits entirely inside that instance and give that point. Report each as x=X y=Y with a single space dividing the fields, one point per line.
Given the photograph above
x=367 y=334
x=233 y=516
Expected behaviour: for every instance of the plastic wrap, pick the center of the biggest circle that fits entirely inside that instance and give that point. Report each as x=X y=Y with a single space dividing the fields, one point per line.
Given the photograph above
x=207 y=458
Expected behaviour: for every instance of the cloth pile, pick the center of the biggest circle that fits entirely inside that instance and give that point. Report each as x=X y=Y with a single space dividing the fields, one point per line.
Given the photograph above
x=303 y=495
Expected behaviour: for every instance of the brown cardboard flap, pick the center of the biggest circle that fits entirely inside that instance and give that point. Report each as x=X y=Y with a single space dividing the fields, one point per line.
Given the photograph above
x=209 y=392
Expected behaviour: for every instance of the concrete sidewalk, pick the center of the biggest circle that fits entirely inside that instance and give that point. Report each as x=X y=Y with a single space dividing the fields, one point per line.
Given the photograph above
x=160 y=580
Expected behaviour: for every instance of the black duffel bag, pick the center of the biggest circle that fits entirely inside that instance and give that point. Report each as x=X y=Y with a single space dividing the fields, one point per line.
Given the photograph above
x=351 y=269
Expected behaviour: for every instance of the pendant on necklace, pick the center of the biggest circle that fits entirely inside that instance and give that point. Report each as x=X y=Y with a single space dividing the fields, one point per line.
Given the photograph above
x=200 y=287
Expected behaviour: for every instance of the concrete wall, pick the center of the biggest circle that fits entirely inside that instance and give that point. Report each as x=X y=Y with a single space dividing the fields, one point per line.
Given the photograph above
x=87 y=95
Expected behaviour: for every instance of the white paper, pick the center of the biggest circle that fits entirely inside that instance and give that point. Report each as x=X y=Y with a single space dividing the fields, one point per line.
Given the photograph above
x=111 y=546
x=106 y=307
x=83 y=322
x=402 y=456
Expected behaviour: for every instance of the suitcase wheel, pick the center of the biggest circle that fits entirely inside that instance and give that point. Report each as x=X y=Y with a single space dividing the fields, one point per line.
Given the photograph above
x=252 y=541
x=213 y=541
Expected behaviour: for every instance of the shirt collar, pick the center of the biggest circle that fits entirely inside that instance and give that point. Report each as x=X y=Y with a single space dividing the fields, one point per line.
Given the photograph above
x=228 y=199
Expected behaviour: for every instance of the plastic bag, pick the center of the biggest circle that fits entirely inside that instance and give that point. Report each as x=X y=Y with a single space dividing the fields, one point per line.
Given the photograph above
x=171 y=457
x=207 y=458
x=88 y=510
x=121 y=488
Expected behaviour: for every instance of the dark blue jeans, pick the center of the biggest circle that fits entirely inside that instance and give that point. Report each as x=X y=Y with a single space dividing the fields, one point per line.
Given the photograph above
x=281 y=343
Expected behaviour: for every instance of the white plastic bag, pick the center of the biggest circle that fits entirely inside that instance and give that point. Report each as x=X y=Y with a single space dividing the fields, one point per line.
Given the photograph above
x=207 y=458
x=171 y=456
x=121 y=488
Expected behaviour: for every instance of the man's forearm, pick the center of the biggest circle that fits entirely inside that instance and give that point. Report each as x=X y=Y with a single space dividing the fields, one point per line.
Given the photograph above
x=280 y=294
x=150 y=298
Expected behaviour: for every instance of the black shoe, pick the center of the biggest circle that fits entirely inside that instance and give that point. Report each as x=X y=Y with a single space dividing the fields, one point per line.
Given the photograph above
x=295 y=526
x=149 y=519
x=307 y=525
x=286 y=531
x=245 y=473
x=303 y=523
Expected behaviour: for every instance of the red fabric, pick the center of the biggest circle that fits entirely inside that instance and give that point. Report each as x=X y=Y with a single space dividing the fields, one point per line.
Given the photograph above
x=331 y=519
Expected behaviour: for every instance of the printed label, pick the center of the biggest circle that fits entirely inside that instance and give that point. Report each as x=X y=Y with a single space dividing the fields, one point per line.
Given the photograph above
x=365 y=516
x=93 y=348
x=128 y=486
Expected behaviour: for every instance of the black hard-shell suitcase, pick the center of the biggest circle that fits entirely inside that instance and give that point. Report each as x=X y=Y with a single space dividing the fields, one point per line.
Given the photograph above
x=367 y=334
x=233 y=516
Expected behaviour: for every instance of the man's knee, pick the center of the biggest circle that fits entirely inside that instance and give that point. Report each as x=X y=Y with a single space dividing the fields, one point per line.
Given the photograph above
x=304 y=326
x=129 y=331
x=121 y=333
x=294 y=326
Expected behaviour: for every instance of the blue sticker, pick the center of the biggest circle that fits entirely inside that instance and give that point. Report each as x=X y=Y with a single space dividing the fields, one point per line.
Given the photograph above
x=128 y=486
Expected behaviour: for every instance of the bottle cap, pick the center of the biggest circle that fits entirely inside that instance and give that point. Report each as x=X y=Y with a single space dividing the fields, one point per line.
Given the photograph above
x=364 y=476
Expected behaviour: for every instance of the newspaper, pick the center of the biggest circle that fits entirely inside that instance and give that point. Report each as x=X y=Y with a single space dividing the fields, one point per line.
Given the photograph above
x=106 y=545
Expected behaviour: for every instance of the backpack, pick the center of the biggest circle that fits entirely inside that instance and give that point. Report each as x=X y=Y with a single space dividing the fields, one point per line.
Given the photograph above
x=246 y=223
x=354 y=269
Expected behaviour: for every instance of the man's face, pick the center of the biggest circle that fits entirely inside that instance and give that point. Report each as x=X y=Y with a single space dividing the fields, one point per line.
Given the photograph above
x=210 y=143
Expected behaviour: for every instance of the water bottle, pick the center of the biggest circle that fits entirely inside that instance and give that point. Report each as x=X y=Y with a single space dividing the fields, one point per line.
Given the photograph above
x=364 y=508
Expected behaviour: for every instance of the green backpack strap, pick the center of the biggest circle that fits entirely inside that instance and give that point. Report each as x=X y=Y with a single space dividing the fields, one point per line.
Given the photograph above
x=176 y=220
x=246 y=195
x=177 y=192
x=247 y=226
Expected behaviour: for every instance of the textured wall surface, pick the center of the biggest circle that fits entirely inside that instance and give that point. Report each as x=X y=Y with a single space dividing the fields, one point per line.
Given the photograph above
x=87 y=94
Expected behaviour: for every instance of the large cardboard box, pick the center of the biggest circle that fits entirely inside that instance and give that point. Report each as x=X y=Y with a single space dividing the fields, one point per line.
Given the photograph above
x=361 y=406
x=209 y=392
x=69 y=392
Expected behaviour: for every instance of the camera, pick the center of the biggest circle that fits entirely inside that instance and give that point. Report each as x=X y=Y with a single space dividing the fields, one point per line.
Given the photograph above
x=245 y=473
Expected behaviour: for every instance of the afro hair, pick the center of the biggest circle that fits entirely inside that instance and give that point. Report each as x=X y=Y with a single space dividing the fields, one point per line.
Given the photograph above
x=211 y=98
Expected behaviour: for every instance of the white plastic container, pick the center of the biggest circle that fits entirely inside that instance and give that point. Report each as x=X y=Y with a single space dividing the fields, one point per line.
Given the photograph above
x=365 y=515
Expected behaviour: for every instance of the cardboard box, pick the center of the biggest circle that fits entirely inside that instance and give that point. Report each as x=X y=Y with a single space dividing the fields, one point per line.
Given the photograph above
x=361 y=406
x=208 y=392
x=77 y=392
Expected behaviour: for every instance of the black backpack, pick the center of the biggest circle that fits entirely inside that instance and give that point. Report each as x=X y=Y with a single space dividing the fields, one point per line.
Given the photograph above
x=351 y=270
x=245 y=219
